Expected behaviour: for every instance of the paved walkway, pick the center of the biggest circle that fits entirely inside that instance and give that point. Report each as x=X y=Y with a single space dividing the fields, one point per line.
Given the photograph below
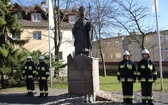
x=61 y=97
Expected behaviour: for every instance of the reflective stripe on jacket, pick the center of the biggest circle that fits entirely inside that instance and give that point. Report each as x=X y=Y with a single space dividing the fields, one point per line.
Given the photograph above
x=146 y=71
x=126 y=71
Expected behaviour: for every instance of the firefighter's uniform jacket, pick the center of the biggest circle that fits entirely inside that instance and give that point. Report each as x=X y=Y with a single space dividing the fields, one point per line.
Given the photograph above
x=127 y=75
x=146 y=74
x=29 y=73
x=42 y=76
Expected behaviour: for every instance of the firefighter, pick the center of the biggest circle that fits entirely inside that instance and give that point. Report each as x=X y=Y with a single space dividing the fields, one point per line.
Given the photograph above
x=147 y=75
x=127 y=75
x=29 y=74
x=42 y=75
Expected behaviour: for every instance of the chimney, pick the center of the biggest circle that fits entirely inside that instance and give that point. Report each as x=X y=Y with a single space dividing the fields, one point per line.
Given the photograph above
x=118 y=34
x=43 y=5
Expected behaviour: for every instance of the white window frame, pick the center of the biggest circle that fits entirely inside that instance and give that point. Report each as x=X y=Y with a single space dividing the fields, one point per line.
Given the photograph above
x=37 y=35
x=36 y=17
x=117 y=55
x=72 y=19
x=109 y=43
x=117 y=41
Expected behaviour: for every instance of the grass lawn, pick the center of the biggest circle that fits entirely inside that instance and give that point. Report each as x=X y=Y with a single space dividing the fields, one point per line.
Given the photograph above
x=108 y=83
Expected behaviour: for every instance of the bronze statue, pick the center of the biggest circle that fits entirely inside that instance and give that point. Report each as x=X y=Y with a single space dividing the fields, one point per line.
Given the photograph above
x=82 y=32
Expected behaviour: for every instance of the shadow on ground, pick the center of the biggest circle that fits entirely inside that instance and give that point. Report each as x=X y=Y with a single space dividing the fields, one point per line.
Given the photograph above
x=20 y=98
x=66 y=99
x=62 y=99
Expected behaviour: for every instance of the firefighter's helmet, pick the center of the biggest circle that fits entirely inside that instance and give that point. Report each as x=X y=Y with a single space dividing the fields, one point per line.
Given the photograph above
x=29 y=57
x=41 y=57
x=145 y=51
x=126 y=53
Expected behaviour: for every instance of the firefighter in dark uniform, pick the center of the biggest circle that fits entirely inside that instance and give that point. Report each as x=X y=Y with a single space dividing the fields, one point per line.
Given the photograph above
x=147 y=75
x=127 y=75
x=42 y=75
x=29 y=74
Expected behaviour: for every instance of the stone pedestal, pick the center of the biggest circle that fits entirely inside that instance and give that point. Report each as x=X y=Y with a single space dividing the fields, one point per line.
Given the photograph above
x=83 y=75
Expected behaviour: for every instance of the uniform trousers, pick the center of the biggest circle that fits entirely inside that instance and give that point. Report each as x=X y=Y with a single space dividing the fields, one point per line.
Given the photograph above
x=127 y=88
x=146 y=91
x=30 y=85
x=43 y=86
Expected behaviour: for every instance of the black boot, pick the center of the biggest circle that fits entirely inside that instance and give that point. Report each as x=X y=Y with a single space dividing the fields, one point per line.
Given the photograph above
x=28 y=94
x=150 y=102
x=41 y=95
x=31 y=94
x=125 y=101
x=130 y=101
x=144 y=101
x=46 y=95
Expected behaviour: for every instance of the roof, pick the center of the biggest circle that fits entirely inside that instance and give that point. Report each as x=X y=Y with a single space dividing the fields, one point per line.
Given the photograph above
x=43 y=24
x=28 y=10
x=29 y=23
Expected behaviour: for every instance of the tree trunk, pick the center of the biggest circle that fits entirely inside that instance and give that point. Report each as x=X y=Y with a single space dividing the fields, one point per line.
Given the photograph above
x=100 y=47
x=56 y=53
x=103 y=64
x=2 y=80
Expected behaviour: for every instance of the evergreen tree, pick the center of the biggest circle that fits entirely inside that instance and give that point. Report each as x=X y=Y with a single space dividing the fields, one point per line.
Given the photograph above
x=8 y=26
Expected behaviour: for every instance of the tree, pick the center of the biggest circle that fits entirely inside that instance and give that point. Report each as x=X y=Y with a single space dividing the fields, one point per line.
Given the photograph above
x=59 y=17
x=8 y=26
x=131 y=16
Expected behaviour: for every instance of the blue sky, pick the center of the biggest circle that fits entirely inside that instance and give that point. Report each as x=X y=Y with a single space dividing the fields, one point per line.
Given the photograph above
x=162 y=10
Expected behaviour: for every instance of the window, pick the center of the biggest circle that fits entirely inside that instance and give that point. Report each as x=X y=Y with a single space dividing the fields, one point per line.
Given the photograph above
x=37 y=35
x=100 y=56
x=15 y=37
x=103 y=44
x=117 y=41
x=118 y=55
x=60 y=56
x=166 y=52
x=109 y=43
x=107 y=56
x=166 y=37
x=36 y=17
x=72 y=19
x=146 y=39
x=111 y=56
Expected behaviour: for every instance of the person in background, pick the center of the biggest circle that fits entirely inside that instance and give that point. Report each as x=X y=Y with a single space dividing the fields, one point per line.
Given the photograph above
x=147 y=75
x=127 y=75
x=42 y=76
x=29 y=74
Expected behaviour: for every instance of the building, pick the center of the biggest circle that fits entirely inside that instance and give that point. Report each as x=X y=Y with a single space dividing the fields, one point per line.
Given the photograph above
x=35 y=29
x=151 y=43
x=113 y=47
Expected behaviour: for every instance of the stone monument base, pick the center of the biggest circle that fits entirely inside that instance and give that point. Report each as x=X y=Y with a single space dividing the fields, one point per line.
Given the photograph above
x=83 y=75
